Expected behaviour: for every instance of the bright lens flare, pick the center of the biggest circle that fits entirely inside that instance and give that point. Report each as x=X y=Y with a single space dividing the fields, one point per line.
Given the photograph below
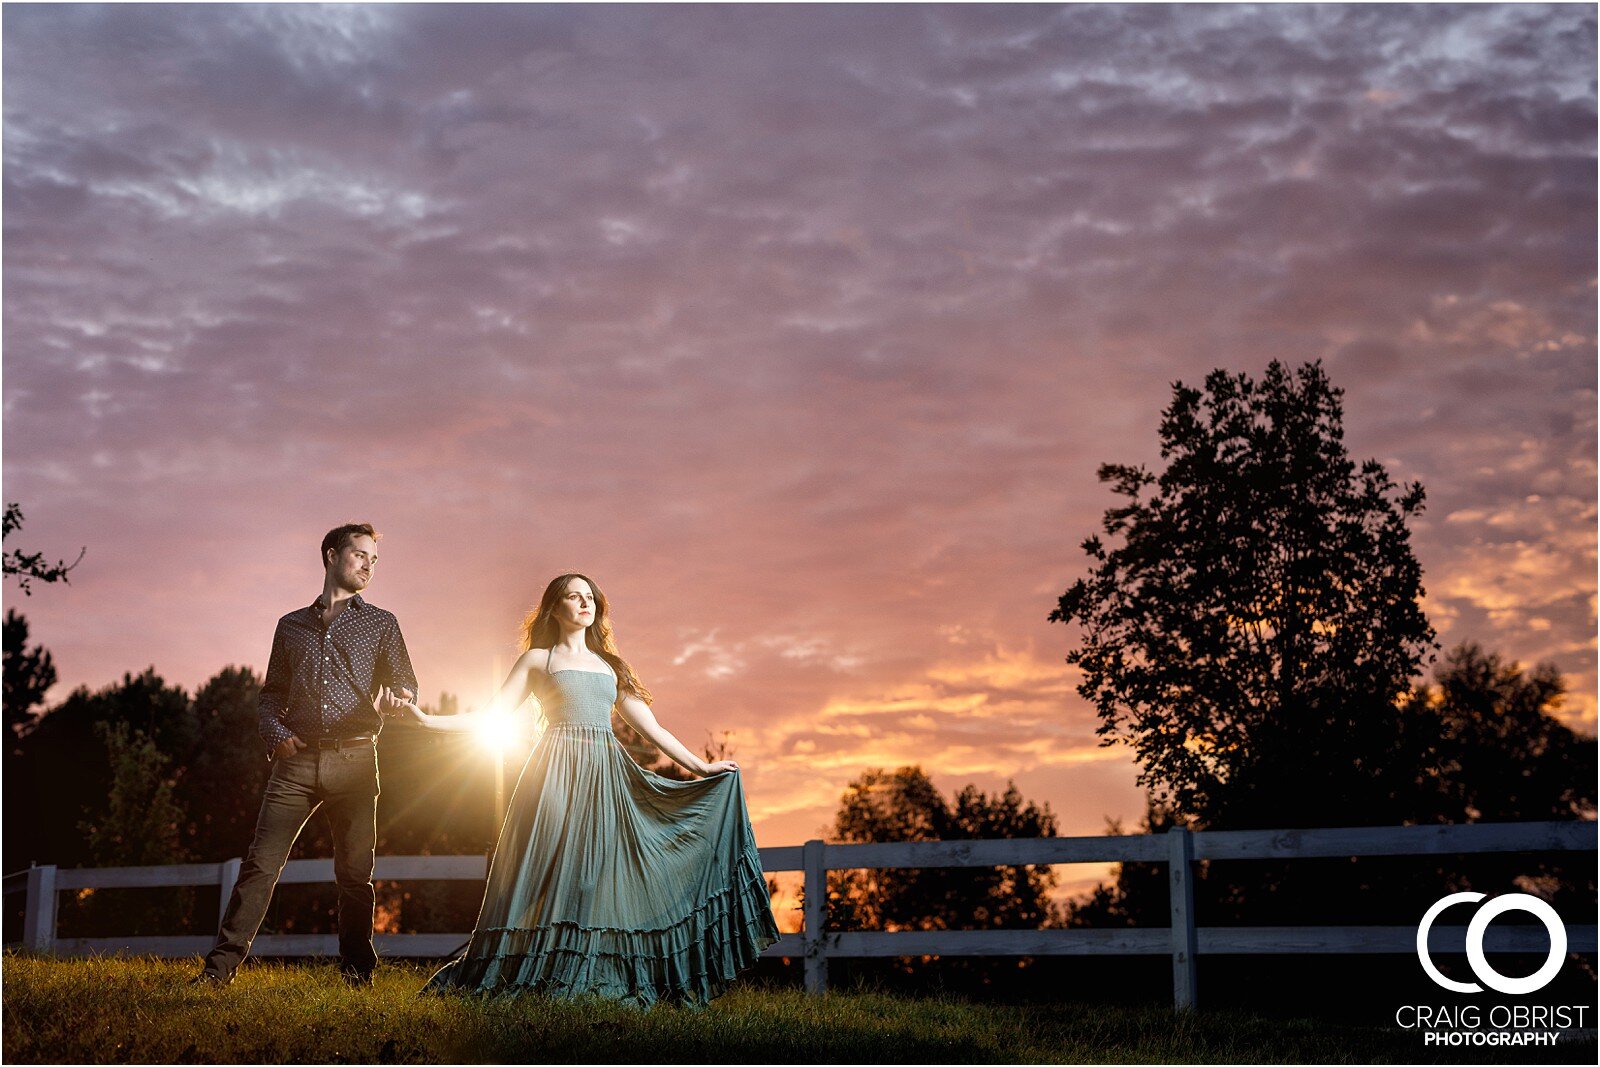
x=498 y=733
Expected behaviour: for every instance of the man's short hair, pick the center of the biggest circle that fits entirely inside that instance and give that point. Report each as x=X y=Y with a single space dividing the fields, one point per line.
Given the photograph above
x=340 y=536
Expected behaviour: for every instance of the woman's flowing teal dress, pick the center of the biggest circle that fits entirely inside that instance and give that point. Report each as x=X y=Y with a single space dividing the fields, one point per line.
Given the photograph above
x=609 y=879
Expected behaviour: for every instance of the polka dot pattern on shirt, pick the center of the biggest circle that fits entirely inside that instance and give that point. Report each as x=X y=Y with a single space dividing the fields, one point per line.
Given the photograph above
x=322 y=680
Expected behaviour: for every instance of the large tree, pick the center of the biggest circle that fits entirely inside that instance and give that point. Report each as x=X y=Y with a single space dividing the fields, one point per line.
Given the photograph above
x=1254 y=605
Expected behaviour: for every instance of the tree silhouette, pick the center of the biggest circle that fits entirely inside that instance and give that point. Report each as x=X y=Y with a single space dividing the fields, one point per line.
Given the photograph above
x=1481 y=743
x=29 y=674
x=1260 y=613
x=906 y=806
x=28 y=567
x=63 y=766
x=1494 y=751
x=223 y=775
x=138 y=825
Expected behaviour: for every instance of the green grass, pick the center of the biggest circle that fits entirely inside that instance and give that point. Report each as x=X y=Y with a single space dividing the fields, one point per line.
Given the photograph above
x=140 y=1010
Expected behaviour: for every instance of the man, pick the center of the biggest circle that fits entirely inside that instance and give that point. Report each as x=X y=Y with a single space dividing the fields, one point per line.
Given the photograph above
x=334 y=666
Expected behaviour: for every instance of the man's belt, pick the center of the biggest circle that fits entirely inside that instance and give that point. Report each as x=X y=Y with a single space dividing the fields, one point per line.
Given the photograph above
x=343 y=742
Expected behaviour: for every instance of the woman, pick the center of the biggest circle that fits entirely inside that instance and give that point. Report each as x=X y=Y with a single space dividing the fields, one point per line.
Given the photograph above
x=607 y=878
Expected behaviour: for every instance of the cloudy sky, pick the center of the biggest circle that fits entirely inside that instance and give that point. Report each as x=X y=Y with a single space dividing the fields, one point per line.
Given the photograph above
x=802 y=328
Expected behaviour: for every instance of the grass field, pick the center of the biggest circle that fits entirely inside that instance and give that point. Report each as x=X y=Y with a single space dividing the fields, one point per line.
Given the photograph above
x=142 y=1011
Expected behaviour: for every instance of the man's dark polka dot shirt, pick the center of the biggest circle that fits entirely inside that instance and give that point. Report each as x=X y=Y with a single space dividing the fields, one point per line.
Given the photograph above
x=322 y=680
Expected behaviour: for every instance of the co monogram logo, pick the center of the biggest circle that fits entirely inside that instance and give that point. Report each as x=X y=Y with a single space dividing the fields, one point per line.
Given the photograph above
x=1475 y=957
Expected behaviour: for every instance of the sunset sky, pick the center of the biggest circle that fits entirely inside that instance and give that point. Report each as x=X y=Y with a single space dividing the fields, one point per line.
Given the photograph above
x=802 y=329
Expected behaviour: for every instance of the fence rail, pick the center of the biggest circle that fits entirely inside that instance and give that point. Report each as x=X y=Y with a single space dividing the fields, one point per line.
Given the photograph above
x=1180 y=849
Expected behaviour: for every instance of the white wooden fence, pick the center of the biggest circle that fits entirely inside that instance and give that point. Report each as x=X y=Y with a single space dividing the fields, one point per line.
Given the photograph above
x=1178 y=848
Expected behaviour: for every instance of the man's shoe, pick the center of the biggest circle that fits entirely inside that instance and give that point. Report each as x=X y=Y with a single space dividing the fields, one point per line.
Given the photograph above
x=212 y=980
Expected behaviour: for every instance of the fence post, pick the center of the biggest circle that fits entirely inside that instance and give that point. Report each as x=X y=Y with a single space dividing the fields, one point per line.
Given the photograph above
x=816 y=893
x=39 y=918
x=1180 y=871
x=229 y=878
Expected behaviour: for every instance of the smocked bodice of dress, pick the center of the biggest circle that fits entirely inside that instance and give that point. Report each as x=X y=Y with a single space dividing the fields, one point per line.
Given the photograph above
x=579 y=699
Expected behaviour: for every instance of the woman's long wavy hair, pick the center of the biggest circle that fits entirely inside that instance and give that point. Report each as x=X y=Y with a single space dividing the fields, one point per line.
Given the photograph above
x=540 y=630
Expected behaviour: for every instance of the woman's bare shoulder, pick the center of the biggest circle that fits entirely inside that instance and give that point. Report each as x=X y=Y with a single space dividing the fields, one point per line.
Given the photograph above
x=534 y=657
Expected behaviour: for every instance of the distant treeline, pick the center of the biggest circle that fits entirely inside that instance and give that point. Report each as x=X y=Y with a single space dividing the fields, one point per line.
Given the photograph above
x=141 y=772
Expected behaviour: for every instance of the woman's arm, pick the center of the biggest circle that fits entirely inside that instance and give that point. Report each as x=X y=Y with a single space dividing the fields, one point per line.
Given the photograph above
x=516 y=688
x=637 y=714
